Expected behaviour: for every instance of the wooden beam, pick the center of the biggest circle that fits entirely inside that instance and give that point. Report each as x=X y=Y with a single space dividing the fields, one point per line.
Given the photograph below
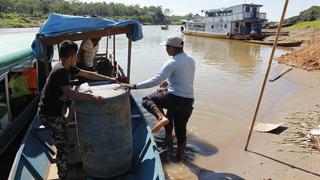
x=45 y=41
x=267 y=73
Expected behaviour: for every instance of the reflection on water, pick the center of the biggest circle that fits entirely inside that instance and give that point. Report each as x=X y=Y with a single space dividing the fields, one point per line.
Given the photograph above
x=228 y=78
x=14 y=39
x=227 y=55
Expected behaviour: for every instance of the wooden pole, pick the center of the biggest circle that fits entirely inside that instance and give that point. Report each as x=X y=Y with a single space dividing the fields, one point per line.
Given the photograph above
x=267 y=73
x=314 y=30
x=129 y=57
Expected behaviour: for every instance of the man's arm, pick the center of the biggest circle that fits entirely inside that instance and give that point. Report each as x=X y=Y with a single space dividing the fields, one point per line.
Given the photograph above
x=75 y=95
x=94 y=76
x=157 y=79
x=165 y=72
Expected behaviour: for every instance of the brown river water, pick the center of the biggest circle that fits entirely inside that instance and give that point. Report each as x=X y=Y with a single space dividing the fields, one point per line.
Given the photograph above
x=228 y=79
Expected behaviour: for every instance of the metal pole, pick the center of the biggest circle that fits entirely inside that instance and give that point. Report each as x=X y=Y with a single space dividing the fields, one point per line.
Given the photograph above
x=115 y=64
x=267 y=73
x=58 y=51
x=8 y=97
x=114 y=49
x=129 y=57
x=107 y=45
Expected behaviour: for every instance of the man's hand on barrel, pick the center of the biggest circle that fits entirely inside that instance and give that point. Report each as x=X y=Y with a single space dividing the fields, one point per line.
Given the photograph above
x=96 y=98
x=126 y=86
x=164 y=84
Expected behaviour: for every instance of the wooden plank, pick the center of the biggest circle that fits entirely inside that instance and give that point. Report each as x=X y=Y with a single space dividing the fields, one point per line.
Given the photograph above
x=266 y=127
x=45 y=41
x=281 y=74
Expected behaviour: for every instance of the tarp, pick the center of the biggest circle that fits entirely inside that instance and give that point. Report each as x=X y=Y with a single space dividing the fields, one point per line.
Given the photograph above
x=58 y=24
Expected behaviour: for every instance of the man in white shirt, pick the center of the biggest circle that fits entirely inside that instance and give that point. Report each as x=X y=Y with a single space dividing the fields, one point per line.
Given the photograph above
x=177 y=98
x=87 y=51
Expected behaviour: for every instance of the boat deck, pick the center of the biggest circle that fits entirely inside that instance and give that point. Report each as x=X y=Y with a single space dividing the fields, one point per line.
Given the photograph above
x=36 y=156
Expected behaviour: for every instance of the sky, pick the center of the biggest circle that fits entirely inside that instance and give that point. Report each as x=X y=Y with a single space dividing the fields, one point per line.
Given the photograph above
x=273 y=8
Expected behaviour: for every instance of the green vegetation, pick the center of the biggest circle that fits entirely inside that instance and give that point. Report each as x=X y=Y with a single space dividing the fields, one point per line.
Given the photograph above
x=310 y=14
x=25 y=13
x=18 y=20
x=306 y=24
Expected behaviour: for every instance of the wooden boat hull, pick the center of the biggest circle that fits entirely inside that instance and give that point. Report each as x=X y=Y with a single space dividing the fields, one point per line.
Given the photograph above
x=224 y=36
x=250 y=36
x=166 y=27
x=285 y=44
x=15 y=120
x=35 y=158
x=23 y=120
x=204 y=34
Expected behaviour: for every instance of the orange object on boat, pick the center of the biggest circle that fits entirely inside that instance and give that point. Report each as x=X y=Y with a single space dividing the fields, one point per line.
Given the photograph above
x=31 y=76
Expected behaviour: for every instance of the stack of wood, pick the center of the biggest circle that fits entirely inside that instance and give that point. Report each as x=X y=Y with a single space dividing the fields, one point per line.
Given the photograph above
x=300 y=128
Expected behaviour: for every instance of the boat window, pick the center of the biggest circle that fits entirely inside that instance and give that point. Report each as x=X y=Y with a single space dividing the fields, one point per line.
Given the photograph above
x=225 y=26
x=247 y=9
x=254 y=9
x=237 y=24
x=22 y=86
x=212 y=26
x=4 y=115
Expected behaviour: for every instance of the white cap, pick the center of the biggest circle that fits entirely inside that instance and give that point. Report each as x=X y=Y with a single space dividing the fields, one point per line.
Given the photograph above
x=173 y=41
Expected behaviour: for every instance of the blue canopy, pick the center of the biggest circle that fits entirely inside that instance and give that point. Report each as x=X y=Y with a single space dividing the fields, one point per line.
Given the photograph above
x=58 y=24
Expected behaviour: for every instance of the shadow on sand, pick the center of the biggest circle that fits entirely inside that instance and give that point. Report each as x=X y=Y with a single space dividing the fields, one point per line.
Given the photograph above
x=204 y=174
x=284 y=163
x=194 y=146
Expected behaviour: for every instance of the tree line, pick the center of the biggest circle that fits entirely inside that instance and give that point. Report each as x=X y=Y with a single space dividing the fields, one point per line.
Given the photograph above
x=311 y=14
x=41 y=8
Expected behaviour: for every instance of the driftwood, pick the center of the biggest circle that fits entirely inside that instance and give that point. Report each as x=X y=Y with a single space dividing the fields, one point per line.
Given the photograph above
x=281 y=74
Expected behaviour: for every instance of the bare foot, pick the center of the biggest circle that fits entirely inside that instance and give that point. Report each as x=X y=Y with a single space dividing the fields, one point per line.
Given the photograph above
x=164 y=121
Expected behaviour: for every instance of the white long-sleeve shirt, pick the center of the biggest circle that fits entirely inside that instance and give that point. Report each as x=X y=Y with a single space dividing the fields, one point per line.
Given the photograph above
x=179 y=71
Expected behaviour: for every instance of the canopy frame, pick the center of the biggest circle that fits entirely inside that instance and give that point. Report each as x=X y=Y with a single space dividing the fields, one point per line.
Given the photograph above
x=111 y=31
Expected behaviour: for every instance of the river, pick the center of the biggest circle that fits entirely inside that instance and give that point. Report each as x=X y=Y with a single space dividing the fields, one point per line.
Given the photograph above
x=228 y=79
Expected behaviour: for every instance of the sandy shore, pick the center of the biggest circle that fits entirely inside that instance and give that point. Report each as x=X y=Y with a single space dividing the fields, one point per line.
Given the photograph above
x=272 y=155
x=269 y=156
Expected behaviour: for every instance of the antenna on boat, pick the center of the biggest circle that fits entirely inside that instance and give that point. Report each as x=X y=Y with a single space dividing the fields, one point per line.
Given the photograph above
x=267 y=73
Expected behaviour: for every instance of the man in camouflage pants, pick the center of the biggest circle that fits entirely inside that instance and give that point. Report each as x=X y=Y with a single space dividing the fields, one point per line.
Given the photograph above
x=57 y=127
x=52 y=106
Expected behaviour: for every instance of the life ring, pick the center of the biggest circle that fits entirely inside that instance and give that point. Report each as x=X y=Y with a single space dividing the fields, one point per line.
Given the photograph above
x=229 y=36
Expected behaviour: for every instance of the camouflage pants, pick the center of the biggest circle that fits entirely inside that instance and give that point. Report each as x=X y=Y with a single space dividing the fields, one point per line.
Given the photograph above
x=57 y=127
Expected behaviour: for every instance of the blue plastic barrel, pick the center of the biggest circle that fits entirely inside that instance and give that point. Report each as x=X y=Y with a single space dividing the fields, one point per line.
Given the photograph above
x=104 y=132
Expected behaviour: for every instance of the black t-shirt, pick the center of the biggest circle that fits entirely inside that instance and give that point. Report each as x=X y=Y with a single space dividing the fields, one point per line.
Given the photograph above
x=52 y=99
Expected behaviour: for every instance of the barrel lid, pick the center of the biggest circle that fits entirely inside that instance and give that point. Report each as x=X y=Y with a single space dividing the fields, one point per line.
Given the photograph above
x=105 y=91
